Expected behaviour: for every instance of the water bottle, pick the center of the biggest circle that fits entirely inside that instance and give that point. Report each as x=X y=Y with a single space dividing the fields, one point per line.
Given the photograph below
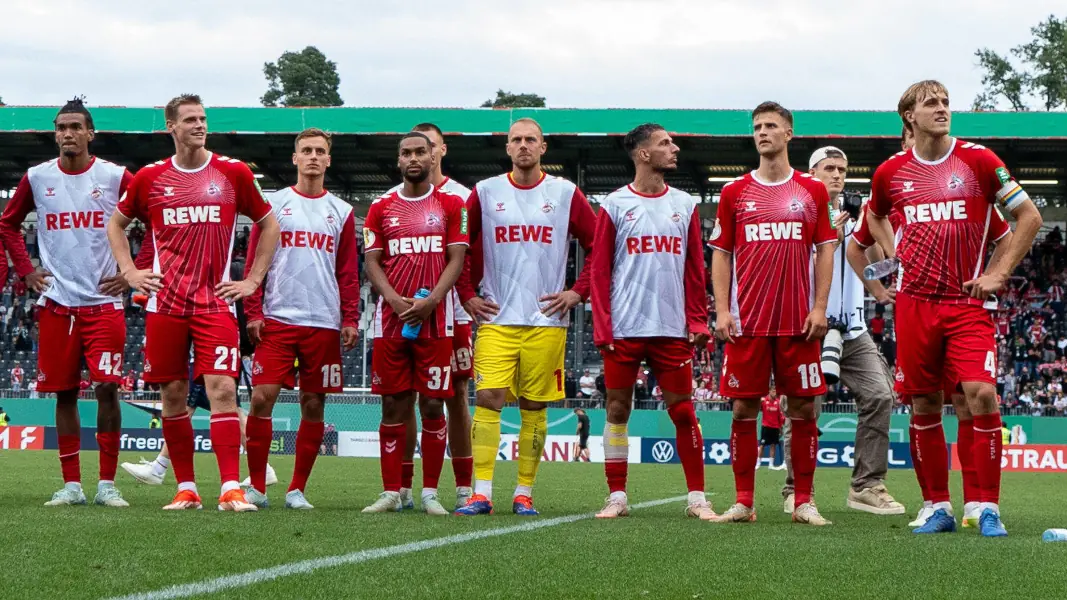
x=411 y=332
x=881 y=268
x=1054 y=535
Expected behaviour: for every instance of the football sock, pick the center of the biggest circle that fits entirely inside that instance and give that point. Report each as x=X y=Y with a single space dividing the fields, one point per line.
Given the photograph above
x=616 y=456
x=108 y=441
x=690 y=443
x=259 y=431
x=463 y=468
x=226 y=443
x=178 y=433
x=743 y=447
x=160 y=465
x=434 y=441
x=988 y=445
x=532 y=433
x=802 y=451
x=391 y=443
x=972 y=492
x=407 y=474
x=308 y=440
x=917 y=464
x=933 y=454
x=70 y=458
x=485 y=439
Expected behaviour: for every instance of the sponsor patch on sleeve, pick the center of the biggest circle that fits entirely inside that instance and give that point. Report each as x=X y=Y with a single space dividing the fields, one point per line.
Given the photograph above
x=463 y=221
x=1003 y=175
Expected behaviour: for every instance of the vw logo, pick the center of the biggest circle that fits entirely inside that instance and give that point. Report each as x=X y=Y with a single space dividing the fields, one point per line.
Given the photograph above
x=662 y=451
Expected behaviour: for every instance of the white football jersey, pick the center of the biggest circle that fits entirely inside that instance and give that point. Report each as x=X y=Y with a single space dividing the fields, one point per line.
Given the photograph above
x=524 y=236
x=456 y=189
x=315 y=256
x=652 y=237
x=72 y=214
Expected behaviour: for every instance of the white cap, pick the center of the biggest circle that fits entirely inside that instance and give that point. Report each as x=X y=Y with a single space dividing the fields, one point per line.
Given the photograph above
x=821 y=153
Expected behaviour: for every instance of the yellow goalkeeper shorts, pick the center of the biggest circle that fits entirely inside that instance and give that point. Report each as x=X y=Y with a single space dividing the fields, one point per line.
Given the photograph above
x=528 y=361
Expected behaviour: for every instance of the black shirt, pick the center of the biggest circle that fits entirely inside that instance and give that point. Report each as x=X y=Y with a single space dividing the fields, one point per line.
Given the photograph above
x=583 y=425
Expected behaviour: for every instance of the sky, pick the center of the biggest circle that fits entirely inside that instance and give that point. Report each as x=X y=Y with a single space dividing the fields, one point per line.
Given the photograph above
x=806 y=54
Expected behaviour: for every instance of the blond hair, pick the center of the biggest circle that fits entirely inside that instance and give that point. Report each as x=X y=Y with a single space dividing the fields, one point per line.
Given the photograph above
x=915 y=94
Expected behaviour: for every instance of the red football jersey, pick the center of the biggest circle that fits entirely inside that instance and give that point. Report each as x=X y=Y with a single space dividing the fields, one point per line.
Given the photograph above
x=192 y=217
x=947 y=216
x=414 y=235
x=771 y=229
x=771 y=411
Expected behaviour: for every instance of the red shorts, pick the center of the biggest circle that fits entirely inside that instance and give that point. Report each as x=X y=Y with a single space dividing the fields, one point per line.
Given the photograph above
x=671 y=361
x=213 y=337
x=943 y=341
x=750 y=362
x=423 y=365
x=98 y=335
x=318 y=351
x=462 y=351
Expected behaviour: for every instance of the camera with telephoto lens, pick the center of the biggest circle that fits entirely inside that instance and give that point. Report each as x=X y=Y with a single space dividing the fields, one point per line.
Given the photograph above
x=832 y=345
x=851 y=202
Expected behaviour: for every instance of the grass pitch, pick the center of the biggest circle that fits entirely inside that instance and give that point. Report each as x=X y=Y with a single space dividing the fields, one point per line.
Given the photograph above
x=95 y=552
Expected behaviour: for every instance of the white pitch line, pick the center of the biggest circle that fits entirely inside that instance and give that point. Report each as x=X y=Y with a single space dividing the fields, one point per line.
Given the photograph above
x=211 y=586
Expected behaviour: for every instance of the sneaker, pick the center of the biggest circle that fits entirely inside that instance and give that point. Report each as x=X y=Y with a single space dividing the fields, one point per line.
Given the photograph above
x=780 y=467
x=255 y=497
x=236 y=501
x=477 y=505
x=296 y=500
x=386 y=502
x=971 y=512
x=463 y=496
x=183 y=500
x=939 y=522
x=990 y=524
x=614 y=508
x=110 y=496
x=272 y=478
x=789 y=505
x=738 y=513
x=924 y=515
x=808 y=514
x=407 y=499
x=875 y=500
x=701 y=510
x=523 y=506
x=432 y=506
x=144 y=472
x=70 y=495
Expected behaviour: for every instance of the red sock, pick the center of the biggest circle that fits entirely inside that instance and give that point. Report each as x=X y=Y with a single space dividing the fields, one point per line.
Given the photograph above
x=260 y=432
x=108 y=441
x=308 y=441
x=407 y=474
x=972 y=492
x=933 y=454
x=463 y=468
x=690 y=444
x=391 y=443
x=743 y=449
x=916 y=463
x=226 y=442
x=803 y=450
x=434 y=441
x=178 y=433
x=70 y=458
x=988 y=446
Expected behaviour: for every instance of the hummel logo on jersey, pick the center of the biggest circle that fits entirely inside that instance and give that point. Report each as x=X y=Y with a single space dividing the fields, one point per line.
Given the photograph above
x=630 y=215
x=417 y=245
x=394 y=221
x=213 y=189
x=75 y=220
x=769 y=232
x=307 y=239
x=750 y=206
x=287 y=212
x=953 y=210
x=648 y=244
x=499 y=207
x=184 y=215
x=909 y=186
x=522 y=233
x=50 y=191
x=168 y=191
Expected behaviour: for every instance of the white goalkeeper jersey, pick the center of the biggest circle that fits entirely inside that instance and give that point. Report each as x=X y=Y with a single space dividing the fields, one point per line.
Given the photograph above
x=523 y=233
x=455 y=188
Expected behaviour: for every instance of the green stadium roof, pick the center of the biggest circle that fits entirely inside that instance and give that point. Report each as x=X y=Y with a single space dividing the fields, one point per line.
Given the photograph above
x=557 y=121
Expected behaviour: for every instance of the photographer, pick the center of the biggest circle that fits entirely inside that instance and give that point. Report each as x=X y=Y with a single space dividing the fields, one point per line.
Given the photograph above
x=850 y=355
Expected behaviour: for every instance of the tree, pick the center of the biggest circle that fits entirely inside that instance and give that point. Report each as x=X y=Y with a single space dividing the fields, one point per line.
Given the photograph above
x=1042 y=73
x=302 y=78
x=509 y=100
